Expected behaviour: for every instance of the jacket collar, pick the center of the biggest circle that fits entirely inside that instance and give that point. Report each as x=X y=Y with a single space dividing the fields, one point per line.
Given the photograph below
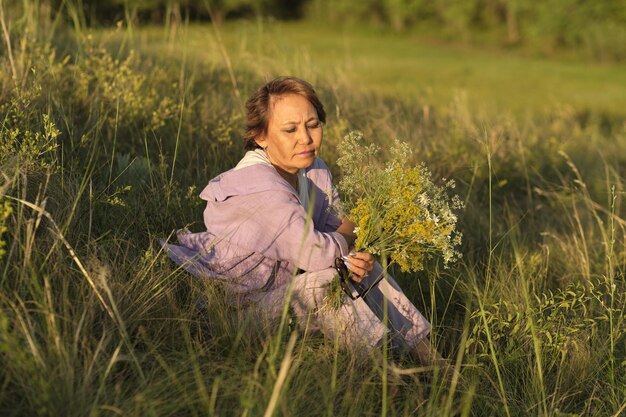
x=249 y=180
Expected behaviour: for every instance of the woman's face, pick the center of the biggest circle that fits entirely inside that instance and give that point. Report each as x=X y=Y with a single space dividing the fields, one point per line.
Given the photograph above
x=294 y=133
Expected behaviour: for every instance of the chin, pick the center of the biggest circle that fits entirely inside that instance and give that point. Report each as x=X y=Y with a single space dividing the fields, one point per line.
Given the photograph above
x=305 y=161
x=308 y=161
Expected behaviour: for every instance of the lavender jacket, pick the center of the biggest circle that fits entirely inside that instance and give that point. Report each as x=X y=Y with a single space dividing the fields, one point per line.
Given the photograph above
x=258 y=233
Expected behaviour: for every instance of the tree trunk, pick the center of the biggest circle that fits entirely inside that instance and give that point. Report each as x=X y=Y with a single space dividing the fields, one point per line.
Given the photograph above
x=512 y=28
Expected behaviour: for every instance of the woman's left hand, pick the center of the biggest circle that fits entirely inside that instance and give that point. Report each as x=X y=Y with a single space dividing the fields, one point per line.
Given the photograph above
x=360 y=264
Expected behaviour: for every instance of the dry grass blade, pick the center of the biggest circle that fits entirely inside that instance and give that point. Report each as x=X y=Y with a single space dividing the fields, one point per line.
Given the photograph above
x=109 y=308
x=285 y=367
x=7 y=40
x=69 y=248
x=621 y=409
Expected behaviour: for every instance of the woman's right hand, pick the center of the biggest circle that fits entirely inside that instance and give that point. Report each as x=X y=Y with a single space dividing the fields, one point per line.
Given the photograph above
x=360 y=264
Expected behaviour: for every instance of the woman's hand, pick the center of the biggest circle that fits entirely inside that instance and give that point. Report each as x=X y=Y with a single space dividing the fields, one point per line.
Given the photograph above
x=360 y=264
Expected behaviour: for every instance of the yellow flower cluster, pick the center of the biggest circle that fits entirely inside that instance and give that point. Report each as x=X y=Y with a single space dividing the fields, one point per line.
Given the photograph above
x=398 y=210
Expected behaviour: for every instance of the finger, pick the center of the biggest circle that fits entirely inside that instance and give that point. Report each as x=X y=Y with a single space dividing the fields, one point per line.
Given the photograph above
x=367 y=266
x=356 y=278
x=358 y=273
x=365 y=256
x=368 y=260
x=360 y=256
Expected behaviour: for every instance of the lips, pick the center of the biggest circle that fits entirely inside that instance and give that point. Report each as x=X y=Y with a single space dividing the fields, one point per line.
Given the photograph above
x=306 y=153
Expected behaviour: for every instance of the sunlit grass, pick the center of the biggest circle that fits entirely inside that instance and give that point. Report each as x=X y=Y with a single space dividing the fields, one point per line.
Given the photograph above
x=404 y=67
x=95 y=320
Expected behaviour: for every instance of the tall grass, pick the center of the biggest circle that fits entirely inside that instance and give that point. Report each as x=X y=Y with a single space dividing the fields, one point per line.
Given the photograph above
x=104 y=150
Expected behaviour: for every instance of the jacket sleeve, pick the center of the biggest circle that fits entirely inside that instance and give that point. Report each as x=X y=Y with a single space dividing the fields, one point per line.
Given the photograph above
x=297 y=241
x=334 y=209
x=329 y=213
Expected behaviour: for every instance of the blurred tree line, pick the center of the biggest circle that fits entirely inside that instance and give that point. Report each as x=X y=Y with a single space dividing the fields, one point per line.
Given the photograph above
x=159 y=11
x=598 y=26
x=595 y=27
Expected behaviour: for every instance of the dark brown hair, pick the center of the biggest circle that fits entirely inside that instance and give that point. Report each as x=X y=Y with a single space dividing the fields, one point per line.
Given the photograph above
x=257 y=106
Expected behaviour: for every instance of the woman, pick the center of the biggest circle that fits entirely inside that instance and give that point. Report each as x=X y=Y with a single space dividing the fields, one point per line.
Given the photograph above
x=275 y=230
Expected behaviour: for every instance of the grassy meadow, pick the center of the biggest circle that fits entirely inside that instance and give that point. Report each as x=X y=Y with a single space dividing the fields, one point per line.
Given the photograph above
x=107 y=137
x=404 y=67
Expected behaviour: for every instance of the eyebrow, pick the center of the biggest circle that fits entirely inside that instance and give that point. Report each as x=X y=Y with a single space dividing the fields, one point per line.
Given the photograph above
x=295 y=123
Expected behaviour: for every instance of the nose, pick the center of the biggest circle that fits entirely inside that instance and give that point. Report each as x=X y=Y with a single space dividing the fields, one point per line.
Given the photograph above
x=305 y=137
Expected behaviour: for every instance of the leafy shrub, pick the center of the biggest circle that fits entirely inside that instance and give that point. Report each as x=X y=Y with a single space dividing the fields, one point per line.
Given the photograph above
x=124 y=93
x=605 y=42
x=33 y=149
x=564 y=319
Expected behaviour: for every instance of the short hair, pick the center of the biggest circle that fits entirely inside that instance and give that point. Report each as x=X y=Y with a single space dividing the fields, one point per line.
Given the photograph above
x=257 y=106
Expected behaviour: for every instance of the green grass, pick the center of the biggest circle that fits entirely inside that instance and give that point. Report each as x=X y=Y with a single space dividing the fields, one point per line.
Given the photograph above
x=95 y=320
x=402 y=67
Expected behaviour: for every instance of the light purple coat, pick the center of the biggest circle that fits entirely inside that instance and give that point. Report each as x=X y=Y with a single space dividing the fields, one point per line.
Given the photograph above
x=259 y=238
x=258 y=233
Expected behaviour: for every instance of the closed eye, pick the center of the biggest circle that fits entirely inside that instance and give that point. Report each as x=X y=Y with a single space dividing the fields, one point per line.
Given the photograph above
x=314 y=125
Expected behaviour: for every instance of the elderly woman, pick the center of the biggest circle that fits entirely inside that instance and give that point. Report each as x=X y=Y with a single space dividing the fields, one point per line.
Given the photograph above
x=275 y=233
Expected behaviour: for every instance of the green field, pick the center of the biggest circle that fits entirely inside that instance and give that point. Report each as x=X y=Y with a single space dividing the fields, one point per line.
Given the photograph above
x=107 y=138
x=403 y=67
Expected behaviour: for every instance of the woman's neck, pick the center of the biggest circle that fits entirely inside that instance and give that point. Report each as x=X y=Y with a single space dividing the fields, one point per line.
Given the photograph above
x=291 y=178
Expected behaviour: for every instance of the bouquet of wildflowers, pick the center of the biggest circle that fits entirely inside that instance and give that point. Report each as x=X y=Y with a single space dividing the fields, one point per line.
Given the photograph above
x=398 y=211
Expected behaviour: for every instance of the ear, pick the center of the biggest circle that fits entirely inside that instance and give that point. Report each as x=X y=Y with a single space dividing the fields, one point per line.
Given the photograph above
x=261 y=140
